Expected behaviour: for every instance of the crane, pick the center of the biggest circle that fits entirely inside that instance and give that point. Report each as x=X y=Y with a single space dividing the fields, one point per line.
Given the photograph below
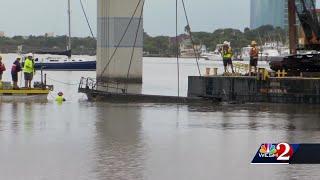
x=297 y=62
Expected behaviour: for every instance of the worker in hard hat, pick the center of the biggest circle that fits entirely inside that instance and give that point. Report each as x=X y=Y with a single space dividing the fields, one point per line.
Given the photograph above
x=254 y=56
x=2 y=68
x=28 y=70
x=60 y=98
x=15 y=69
x=227 y=54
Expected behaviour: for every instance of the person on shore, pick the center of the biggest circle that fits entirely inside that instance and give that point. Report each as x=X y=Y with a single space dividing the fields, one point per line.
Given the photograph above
x=254 y=56
x=16 y=68
x=227 y=54
x=60 y=99
x=28 y=70
x=2 y=68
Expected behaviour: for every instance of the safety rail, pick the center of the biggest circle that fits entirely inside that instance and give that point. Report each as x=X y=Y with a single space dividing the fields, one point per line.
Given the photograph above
x=91 y=84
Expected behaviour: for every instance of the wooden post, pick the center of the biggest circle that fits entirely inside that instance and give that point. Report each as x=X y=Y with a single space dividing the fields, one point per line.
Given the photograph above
x=45 y=80
x=208 y=70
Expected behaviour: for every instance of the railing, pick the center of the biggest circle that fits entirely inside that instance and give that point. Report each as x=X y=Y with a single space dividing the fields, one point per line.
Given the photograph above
x=91 y=84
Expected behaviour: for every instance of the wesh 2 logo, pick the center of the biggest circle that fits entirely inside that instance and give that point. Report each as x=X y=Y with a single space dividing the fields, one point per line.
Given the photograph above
x=281 y=151
x=274 y=154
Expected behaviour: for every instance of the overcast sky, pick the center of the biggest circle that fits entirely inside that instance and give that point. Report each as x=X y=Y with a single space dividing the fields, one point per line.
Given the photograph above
x=25 y=17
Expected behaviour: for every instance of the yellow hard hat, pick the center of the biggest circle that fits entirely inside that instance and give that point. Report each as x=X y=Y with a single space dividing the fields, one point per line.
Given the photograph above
x=253 y=43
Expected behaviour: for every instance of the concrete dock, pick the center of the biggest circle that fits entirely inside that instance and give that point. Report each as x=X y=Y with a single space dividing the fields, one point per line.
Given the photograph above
x=250 y=89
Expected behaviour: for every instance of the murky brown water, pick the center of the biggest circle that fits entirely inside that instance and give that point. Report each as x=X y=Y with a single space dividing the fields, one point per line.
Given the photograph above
x=97 y=141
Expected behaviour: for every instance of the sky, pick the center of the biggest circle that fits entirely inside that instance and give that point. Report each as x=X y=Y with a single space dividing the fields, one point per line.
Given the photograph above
x=36 y=17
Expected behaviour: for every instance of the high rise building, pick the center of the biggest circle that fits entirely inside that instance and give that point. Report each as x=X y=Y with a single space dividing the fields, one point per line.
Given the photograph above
x=269 y=12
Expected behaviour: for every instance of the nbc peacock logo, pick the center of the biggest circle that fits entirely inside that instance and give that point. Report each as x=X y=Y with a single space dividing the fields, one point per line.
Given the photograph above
x=268 y=151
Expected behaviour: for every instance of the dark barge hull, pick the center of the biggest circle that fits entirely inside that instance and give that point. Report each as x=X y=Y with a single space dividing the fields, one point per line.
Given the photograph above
x=295 y=90
x=94 y=95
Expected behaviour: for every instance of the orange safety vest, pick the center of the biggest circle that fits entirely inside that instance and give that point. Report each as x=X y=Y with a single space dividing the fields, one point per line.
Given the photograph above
x=254 y=52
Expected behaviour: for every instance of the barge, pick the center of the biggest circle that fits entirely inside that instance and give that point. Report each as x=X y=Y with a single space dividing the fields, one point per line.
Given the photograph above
x=24 y=95
x=297 y=90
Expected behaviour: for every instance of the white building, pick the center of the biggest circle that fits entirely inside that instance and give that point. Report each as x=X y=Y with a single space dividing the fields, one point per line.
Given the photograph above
x=2 y=34
x=49 y=34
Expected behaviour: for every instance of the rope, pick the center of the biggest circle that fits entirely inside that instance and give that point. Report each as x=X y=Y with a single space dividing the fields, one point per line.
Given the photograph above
x=177 y=49
x=85 y=15
x=61 y=82
x=125 y=32
x=189 y=29
x=134 y=44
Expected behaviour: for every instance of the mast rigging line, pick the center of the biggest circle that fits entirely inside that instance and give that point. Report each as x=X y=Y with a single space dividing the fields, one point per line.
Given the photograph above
x=191 y=37
x=86 y=17
x=177 y=49
x=61 y=82
x=134 y=44
x=117 y=47
x=69 y=26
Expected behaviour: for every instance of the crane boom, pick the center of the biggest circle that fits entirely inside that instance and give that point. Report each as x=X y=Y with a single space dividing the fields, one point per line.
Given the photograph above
x=297 y=63
x=306 y=12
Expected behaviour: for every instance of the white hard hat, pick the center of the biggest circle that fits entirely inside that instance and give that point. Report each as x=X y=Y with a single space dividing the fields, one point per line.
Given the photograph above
x=226 y=43
x=29 y=55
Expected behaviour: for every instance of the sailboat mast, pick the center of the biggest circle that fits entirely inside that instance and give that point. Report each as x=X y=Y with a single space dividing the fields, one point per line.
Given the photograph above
x=69 y=16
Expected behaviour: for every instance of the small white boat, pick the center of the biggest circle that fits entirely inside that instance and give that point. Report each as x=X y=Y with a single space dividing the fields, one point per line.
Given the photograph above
x=245 y=53
x=213 y=55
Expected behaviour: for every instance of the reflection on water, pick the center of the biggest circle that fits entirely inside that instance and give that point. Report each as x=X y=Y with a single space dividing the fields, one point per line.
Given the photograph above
x=149 y=141
x=264 y=116
x=119 y=145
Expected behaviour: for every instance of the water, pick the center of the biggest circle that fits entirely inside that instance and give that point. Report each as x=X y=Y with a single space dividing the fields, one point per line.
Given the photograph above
x=96 y=141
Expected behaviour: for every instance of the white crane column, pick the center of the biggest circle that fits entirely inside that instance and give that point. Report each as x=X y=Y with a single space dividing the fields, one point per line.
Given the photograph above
x=113 y=19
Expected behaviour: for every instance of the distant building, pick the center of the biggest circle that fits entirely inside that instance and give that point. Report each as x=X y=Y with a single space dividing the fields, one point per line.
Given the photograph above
x=269 y=12
x=49 y=34
x=2 y=34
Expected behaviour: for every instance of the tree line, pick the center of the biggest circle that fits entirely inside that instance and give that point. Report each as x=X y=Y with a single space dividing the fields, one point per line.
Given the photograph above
x=164 y=46
x=154 y=46
x=80 y=46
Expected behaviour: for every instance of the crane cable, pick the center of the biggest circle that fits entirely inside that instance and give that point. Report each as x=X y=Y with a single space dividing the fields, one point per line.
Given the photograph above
x=119 y=43
x=191 y=38
x=177 y=49
x=86 y=17
x=62 y=82
x=134 y=45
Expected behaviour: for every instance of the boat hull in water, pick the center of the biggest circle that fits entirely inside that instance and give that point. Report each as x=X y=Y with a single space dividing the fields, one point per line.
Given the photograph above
x=67 y=66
